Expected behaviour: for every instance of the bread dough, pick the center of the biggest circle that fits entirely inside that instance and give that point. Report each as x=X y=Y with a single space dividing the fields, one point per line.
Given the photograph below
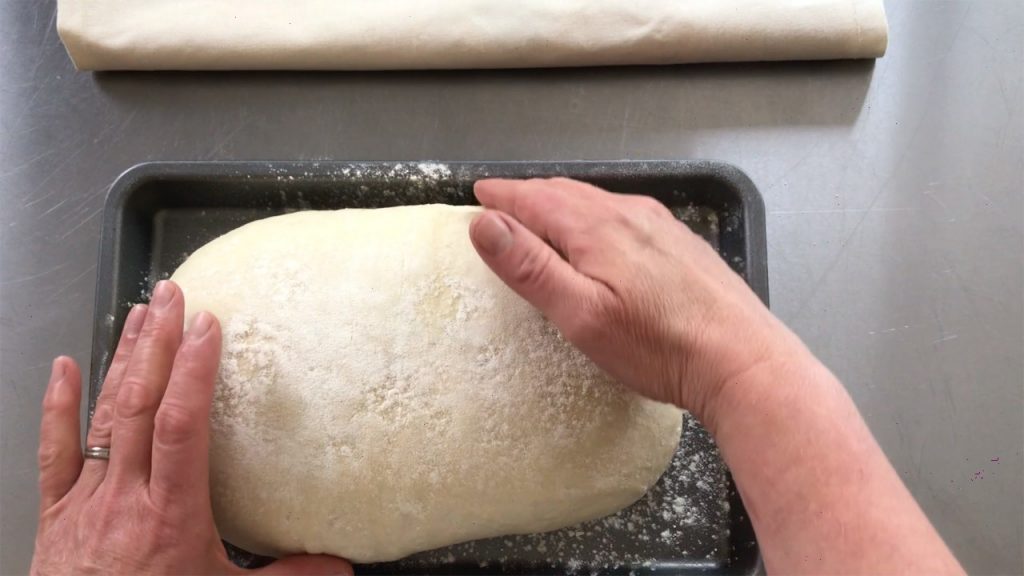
x=381 y=392
x=375 y=34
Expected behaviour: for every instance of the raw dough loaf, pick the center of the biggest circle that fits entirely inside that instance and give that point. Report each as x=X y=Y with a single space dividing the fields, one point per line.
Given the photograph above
x=393 y=34
x=382 y=392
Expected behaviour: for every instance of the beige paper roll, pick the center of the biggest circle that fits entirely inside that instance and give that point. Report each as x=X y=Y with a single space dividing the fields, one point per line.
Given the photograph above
x=412 y=34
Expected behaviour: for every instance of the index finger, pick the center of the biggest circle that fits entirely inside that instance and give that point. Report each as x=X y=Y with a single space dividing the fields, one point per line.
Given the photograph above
x=553 y=209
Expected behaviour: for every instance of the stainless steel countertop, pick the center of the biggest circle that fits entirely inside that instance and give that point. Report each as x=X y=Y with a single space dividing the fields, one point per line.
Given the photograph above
x=893 y=189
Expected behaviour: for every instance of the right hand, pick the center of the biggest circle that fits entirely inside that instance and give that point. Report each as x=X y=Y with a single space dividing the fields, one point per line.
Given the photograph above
x=648 y=300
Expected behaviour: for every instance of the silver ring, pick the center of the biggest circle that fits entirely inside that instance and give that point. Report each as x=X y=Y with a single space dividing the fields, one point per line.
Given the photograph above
x=96 y=452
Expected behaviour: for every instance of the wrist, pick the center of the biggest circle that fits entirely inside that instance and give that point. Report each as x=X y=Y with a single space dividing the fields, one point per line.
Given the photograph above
x=778 y=387
x=750 y=365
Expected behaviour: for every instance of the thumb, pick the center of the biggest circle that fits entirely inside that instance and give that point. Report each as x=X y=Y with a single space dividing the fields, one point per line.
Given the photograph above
x=312 y=565
x=530 y=266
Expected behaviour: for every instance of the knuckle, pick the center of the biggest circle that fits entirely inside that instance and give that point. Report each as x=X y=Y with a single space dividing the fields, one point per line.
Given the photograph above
x=531 y=188
x=562 y=181
x=160 y=334
x=121 y=358
x=124 y=348
x=164 y=337
x=135 y=398
x=531 y=268
x=638 y=216
x=50 y=455
x=616 y=218
x=102 y=419
x=651 y=206
x=174 y=425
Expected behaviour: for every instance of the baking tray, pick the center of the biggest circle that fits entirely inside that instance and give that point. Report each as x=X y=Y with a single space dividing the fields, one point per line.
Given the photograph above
x=691 y=522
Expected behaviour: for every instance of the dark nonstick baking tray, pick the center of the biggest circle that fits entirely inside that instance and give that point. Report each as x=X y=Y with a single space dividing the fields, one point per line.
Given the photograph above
x=691 y=522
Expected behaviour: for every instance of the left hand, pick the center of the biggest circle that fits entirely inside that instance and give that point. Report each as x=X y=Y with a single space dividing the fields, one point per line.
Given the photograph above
x=146 y=510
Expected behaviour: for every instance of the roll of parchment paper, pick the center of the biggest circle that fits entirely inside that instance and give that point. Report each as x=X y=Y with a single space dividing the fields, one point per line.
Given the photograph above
x=415 y=34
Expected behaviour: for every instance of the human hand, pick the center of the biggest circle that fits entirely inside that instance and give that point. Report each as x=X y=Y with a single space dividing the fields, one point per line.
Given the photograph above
x=644 y=297
x=146 y=510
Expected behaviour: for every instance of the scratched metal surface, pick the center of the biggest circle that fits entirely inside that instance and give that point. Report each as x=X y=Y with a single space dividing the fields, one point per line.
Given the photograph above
x=893 y=193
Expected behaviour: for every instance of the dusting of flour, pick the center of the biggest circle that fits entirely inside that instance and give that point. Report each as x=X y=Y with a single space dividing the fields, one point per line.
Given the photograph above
x=408 y=397
x=683 y=519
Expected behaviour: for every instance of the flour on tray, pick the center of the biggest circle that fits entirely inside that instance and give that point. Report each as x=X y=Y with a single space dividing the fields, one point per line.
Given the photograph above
x=683 y=518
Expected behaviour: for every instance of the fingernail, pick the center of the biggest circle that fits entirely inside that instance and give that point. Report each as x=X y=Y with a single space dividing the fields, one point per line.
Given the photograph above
x=200 y=325
x=493 y=235
x=162 y=294
x=58 y=369
x=133 y=323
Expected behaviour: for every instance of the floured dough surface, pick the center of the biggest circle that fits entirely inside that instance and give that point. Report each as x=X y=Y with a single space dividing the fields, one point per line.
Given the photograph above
x=381 y=392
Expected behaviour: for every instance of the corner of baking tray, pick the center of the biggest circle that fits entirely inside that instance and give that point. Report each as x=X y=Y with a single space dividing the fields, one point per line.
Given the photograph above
x=128 y=181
